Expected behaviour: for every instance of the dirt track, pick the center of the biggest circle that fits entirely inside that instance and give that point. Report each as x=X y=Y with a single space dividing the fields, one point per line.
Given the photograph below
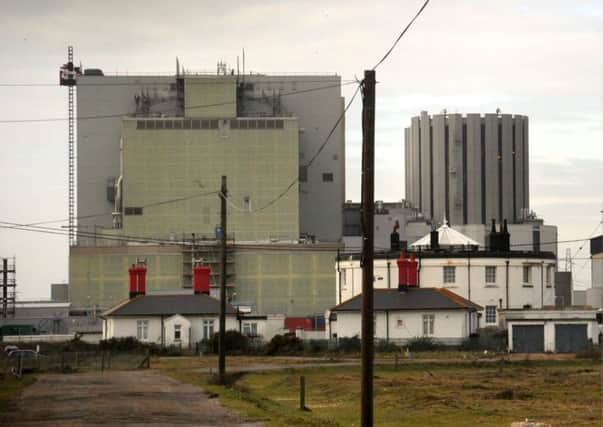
x=117 y=398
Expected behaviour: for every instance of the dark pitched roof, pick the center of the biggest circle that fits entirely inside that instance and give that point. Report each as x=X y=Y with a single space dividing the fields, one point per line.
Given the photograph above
x=167 y=305
x=411 y=299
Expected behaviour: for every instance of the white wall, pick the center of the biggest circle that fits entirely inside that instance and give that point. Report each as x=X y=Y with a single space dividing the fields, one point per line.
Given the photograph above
x=269 y=327
x=450 y=326
x=537 y=292
x=119 y=327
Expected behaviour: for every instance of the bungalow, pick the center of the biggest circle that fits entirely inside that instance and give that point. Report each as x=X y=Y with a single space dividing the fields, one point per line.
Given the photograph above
x=401 y=315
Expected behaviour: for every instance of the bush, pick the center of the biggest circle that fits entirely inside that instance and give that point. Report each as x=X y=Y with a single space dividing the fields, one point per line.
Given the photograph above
x=423 y=344
x=316 y=346
x=386 y=347
x=284 y=344
x=234 y=342
x=349 y=345
x=122 y=344
x=492 y=339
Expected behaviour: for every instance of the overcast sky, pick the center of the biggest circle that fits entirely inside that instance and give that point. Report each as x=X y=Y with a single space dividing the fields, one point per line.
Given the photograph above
x=543 y=59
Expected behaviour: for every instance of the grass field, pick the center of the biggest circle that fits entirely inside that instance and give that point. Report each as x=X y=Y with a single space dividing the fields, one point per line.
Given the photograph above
x=560 y=392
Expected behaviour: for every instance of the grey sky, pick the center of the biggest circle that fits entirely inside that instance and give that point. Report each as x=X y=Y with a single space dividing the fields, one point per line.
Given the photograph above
x=543 y=59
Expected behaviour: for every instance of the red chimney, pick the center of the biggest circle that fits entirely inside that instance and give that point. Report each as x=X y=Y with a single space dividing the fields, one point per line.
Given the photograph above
x=412 y=271
x=201 y=280
x=402 y=271
x=142 y=279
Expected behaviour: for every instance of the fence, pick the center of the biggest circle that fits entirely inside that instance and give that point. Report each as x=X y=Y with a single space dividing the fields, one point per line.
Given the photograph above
x=72 y=361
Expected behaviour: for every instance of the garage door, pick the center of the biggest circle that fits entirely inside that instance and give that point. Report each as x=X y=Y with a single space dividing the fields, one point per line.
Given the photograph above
x=528 y=338
x=570 y=338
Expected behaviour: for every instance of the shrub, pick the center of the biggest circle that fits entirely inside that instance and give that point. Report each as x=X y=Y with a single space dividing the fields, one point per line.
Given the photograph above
x=492 y=339
x=284 y=344
x=383 y=346
x=122 y=344
x=234 y=342
x=423 y=344
x=316 y=346
x=349 y=345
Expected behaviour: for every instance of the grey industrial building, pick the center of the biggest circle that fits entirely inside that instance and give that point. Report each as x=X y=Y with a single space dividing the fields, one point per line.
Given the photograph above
x=468 y=168
x=315 y=100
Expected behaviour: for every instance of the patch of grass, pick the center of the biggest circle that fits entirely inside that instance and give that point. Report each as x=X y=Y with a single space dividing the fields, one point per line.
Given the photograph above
x=10 y=389
x=561 y=392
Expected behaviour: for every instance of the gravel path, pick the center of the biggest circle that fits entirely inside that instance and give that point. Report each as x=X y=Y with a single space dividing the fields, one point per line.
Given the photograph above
x=143 y=397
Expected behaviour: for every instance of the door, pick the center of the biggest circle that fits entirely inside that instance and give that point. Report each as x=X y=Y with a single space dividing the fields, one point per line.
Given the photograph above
x=528 y=338
x=570 y=338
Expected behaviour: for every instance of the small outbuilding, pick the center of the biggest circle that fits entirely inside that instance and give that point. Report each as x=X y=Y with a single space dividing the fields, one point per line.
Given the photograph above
x=402 y=315
x=568 y=330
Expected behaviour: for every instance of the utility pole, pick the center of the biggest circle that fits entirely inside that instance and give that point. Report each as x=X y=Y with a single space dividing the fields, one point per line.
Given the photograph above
x=368 y=201
x=221 y=332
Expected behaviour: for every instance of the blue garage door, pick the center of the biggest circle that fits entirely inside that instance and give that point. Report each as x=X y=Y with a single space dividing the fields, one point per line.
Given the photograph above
x=570 y=338
x=528 y=338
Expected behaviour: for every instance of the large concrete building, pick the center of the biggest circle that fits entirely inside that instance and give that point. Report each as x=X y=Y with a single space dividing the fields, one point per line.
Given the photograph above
x=261 y=130
x=468 y=169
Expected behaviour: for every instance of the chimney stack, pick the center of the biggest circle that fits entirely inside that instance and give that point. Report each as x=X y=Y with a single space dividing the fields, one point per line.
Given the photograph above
x=201 y=280
x=402 y=272
x=435 y=242
x=412 y=271
x=138 y=278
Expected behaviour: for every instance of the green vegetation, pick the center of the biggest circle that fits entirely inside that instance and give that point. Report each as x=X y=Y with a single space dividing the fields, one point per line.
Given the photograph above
x=560 y=392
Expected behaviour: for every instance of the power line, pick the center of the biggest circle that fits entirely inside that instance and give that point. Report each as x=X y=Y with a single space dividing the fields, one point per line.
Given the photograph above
x=163 y=202
x=401 y=35
x=192 y=107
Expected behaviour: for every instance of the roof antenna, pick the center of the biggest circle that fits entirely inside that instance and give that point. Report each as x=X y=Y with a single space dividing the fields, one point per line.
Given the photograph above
x=177 y=67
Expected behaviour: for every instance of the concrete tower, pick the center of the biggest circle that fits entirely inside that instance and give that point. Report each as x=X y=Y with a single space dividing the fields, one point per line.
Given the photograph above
x=469 y=168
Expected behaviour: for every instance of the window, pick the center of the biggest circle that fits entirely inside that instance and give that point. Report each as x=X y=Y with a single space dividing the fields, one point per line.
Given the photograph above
x=303 y=173
x=428 y=321
x=327 y=177
x=208 y=329
x=490 y=274
x=527 y=274
x=250 y=329
x=132 y=211
x=449 y=274
x=142 y=330
x=490 y=314
x=549 y=275
x=177 y=332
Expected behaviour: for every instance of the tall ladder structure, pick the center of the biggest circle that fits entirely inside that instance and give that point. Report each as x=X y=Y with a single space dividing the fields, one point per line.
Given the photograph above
x=68 y=77
x=8 y=284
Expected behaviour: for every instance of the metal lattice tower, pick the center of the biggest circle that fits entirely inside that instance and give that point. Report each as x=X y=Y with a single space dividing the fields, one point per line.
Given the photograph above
x=68 y=74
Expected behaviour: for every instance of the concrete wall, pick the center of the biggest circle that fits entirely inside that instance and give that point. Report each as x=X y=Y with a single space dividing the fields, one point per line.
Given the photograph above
x=99 y=276
x=297 y=282
x=536 y=293
x=210 y=96
x=167 y=164
x=450 y=326
x=440 y=182
x=98 y=139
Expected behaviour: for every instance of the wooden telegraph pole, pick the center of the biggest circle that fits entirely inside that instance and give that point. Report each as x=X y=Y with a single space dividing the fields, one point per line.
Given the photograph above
x=368 y=200
x=221 y=332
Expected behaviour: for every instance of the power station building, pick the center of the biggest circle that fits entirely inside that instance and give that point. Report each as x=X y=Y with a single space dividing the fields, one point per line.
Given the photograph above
x=261 y=130
x=468 y=168
x=151 y=151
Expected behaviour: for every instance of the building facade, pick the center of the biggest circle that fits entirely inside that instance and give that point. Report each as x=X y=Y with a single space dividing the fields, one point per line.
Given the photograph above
x=308 y=105
x=468 y=169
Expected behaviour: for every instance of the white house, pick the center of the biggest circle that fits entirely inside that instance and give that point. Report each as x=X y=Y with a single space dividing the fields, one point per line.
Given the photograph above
x=403 y=315
x=567 y=330
x=167 y=319
x=492 y=278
